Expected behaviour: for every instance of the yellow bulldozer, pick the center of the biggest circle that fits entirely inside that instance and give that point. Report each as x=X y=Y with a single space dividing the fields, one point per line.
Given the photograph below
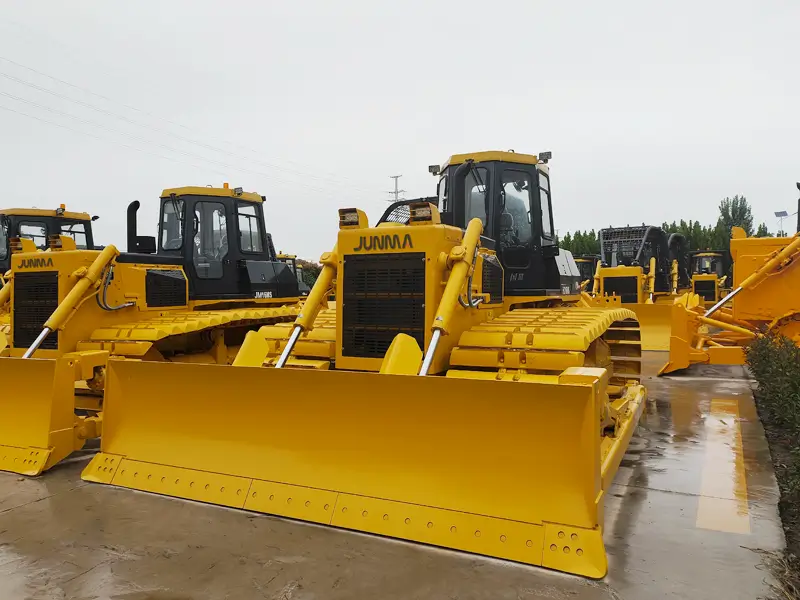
x=765 y=274
x=587 y=265
x=189 y=295
x=644 y=269
x=30 y=229
x=458 y=395
x=709 y=275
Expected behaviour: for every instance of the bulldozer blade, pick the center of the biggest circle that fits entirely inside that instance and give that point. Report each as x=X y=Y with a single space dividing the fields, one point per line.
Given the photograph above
x=655 y=322
x=501 y=468
x=37 y=414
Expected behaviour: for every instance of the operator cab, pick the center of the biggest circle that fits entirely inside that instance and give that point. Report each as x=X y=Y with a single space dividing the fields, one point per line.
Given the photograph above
x=587 y=264
x=291 y=261
x=510 y=194
x=38 y=225
x=634 y=246
x=708 y=263
x=217 y=235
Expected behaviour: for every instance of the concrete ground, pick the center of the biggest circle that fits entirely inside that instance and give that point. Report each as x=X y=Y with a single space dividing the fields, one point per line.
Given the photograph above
x=694 y=497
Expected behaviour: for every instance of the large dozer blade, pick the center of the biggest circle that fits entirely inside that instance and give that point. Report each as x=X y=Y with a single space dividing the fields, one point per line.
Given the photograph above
x=508 y=469
x=689 y=343
x=655 y=322
x=37 y=414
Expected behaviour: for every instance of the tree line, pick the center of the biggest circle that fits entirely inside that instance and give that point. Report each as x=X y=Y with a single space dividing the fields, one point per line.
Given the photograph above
x=734 y=211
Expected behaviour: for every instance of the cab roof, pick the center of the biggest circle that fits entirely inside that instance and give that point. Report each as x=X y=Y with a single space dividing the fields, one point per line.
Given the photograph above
x=213 y=192
x=44 y=212
x=496 y=155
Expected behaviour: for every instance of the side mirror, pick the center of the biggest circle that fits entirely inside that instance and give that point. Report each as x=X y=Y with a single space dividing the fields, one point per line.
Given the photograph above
x=95 y=217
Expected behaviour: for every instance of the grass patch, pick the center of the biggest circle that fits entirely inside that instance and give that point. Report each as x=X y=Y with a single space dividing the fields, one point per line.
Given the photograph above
x=775 y=363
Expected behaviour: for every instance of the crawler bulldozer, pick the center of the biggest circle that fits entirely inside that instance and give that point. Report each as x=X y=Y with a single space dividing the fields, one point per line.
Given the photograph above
x=644 y=269
x=458 y=395
x=765 y=276
x=31 y=228
x=709 y=274
x=188 y=296
x=587 y=265
x=291 y=261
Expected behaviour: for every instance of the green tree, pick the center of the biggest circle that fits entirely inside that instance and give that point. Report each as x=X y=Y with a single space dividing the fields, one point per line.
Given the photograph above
x=566 y=242
x=736 y=212
x=763 y=231
x=310 y=271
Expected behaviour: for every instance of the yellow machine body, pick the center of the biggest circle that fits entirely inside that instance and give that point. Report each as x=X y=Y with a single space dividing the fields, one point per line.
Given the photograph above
x=44 y=212
x=775 y=296
x=633 y=288
x=707 y=286
x=53 y=402
x=491 y=426
x=709 y=282
x=765 y=273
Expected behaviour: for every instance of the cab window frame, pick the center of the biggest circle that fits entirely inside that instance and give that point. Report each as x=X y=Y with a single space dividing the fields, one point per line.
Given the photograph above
x=547 y=239
x=63 y=230
x=181 y=219
x=4 y=239
x=203 y=212
x=259 y=221
x=41 y=224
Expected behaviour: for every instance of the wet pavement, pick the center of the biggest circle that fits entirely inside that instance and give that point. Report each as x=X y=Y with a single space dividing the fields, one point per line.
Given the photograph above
x=694 y=497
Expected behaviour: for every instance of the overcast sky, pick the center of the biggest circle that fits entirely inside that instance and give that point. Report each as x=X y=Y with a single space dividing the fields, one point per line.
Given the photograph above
x=653 y=110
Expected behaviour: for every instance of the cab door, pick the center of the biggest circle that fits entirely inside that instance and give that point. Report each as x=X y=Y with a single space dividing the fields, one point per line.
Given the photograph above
x=209 y=232
x=523 y=228
x=514 y=227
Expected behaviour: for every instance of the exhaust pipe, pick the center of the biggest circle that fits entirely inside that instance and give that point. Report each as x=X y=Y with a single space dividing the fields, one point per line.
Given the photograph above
x=133 y=208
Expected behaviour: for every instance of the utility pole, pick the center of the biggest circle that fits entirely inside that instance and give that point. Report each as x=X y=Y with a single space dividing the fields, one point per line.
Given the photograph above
x=397 y=191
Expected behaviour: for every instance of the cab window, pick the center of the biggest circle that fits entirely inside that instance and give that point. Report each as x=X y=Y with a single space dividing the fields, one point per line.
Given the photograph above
x=3 y=239
x=249 y=227
x=544 y=199
x=77 y=231
x=442 y=193
x=37 y=232
x=476 y=189
x=210 y=239
x=515 y=230
x=172 y=224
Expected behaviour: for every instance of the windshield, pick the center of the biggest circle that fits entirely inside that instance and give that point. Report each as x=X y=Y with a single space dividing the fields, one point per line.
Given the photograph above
x=708 y=265
x=172 y=224
x=3 y=239
x=586 y=269
x=77 y=231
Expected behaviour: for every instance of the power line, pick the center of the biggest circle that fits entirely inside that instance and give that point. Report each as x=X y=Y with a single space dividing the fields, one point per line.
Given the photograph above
x=151 y=127
x=97 y=137
x=39 y=35
x=396 y=192
x=155 y=143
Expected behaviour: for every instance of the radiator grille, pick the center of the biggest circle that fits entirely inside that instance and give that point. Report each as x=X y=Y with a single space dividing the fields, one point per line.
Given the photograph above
x=165 y=287
x=35 y=299
x=706 y=288
x=492 y=279
x=384 y=294
x=627 y=288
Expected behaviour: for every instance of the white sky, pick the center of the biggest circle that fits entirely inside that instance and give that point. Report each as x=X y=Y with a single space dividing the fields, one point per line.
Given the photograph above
x=653 y=111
